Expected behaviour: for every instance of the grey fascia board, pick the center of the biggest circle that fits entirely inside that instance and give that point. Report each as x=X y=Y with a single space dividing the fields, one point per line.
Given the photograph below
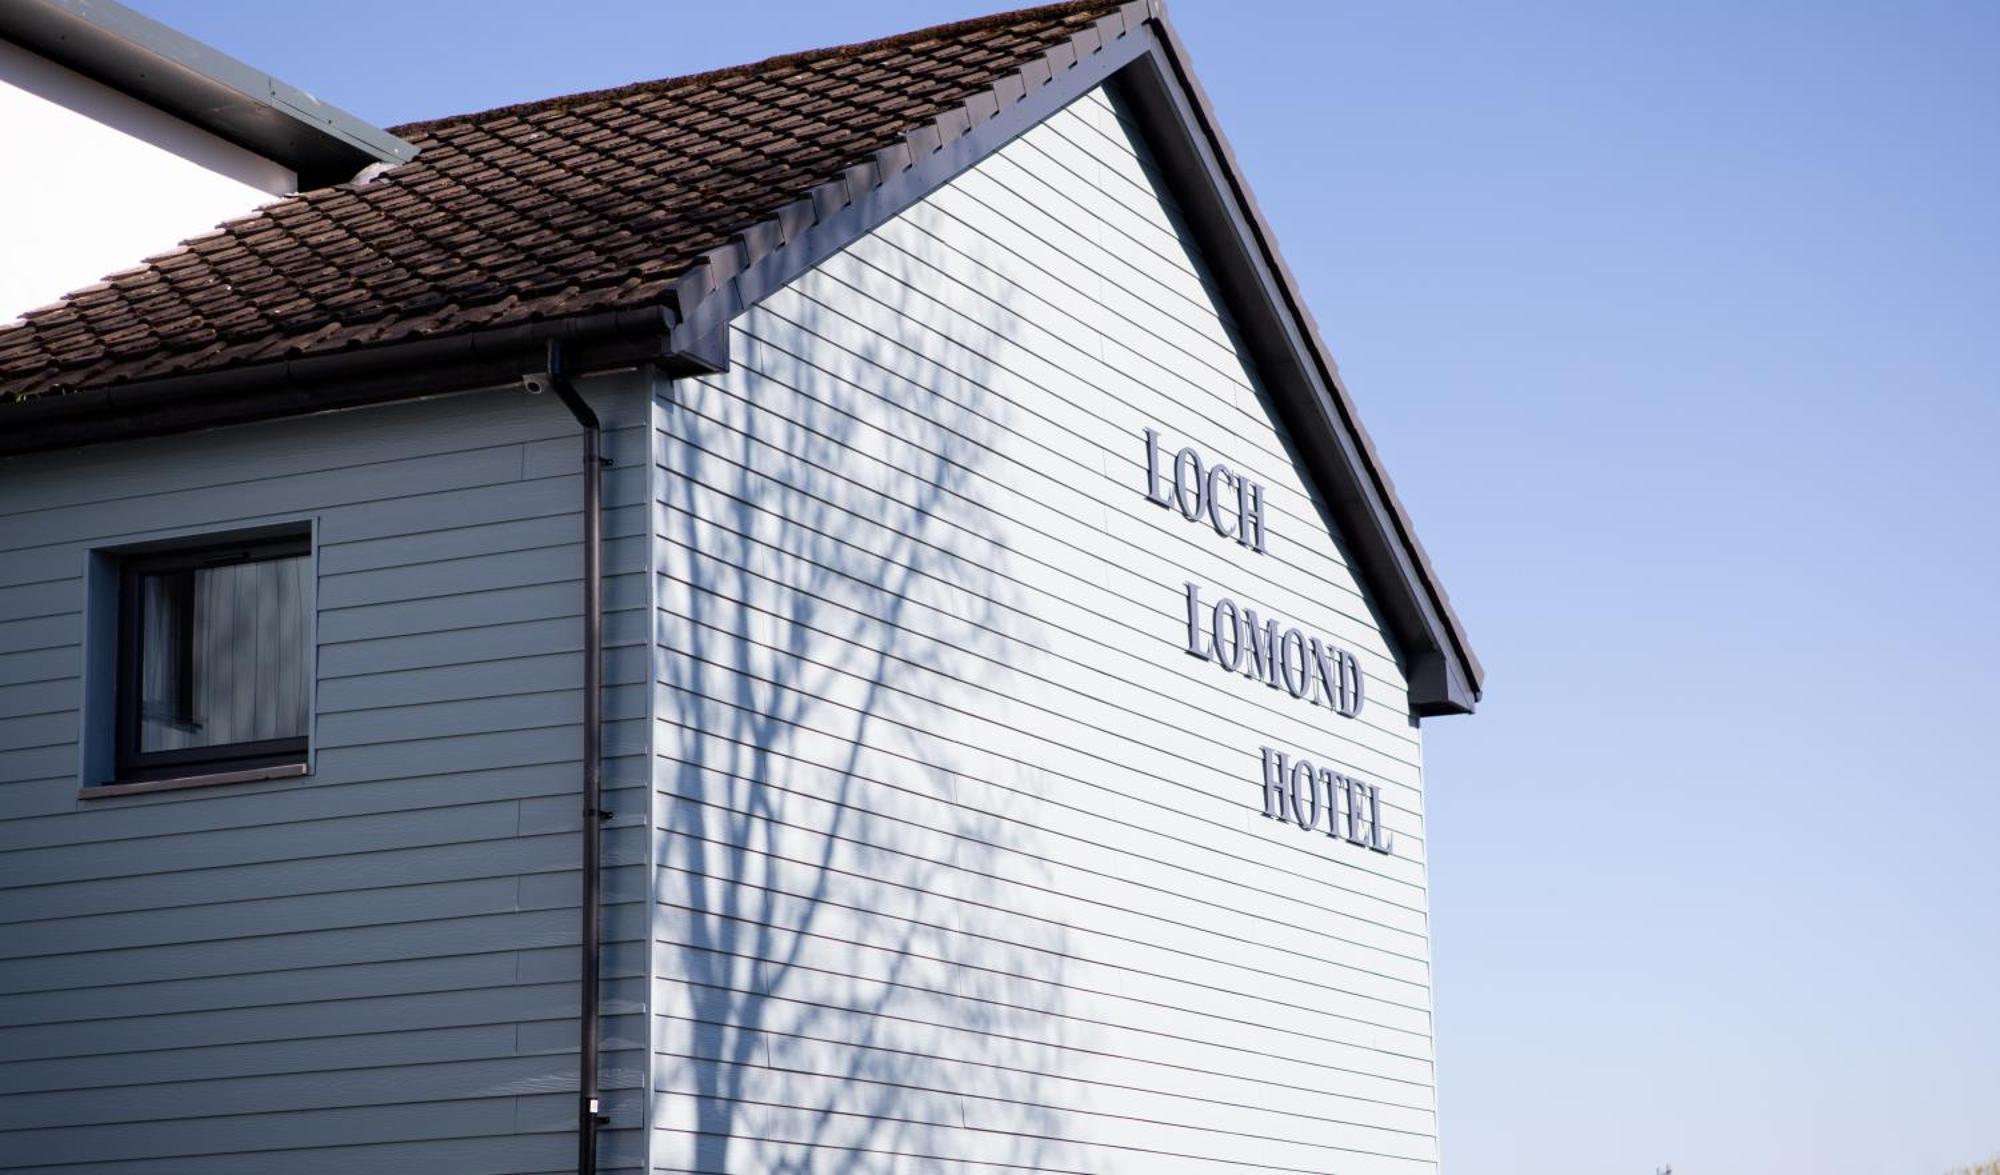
x=109 y=43
x=1394 y=560
x=338 y=380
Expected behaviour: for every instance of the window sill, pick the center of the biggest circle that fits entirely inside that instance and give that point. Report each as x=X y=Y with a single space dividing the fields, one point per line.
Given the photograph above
x=180 y=782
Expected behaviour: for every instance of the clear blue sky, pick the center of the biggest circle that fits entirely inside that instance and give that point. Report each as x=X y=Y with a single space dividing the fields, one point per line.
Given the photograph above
x=1679 y=328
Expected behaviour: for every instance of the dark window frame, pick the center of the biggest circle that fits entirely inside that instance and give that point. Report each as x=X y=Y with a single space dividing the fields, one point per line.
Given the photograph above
x=134 y=765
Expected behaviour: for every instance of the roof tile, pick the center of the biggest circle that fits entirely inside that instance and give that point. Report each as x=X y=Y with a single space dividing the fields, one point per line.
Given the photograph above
x=572 y=205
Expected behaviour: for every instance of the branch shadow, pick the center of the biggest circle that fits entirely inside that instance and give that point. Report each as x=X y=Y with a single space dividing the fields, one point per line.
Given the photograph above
x=837 y=986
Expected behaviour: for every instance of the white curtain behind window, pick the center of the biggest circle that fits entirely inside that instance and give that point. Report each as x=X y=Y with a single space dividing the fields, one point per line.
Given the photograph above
x=224 y=655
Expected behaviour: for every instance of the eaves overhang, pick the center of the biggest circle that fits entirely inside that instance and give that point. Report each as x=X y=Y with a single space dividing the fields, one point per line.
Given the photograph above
x=113 y=45
x=356 y=378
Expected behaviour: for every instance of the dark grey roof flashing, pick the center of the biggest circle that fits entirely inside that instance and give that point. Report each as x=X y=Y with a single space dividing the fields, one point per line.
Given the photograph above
x=109 y=43
x=1443 y=672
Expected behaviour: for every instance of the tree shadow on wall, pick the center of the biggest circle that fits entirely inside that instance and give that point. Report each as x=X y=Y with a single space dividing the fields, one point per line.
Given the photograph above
x=837 y=989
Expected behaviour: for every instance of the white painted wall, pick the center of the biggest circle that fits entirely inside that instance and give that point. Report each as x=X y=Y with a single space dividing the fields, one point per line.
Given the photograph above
x=959 y=855
x=95 y=181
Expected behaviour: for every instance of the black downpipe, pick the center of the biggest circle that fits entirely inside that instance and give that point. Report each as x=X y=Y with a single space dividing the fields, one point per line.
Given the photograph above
x=589 y=1116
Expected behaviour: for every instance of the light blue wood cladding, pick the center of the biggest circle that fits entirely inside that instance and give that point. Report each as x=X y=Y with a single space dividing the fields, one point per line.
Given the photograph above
x=961 y=857
x=371 y=967
x=933 y=849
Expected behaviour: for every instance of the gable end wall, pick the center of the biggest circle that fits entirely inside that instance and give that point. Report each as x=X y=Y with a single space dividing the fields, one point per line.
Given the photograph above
x=959 y=854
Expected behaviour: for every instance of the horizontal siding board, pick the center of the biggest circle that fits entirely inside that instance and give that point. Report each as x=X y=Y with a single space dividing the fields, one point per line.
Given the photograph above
x=994 y=948
x=110 y=1088
x=46 y=597
x=362 y=1131
x=418 y=787
x=513 y=568
x=111 y=1036
x=1220 y=1138
x=439 y=1083
x=524 y=872
x=987 y=961
x=37 y=765
x=276 y=499
x=466 y=821
x=525 y=674
x=1314 y=970
x=930 y=1141
x=462 y=540
x=423 y=507
x=205 y=1137
x=547 y=745
x=523 y=1154
x=976 y=1063
x=41 y=664
x=45 y=729
x=393 y=521
x=1092 y=1053
x=34 y=633
x=381 y=657
x=287 y=952
x=113 y=1086
x=44 y=696
x=480 y=607
x=121 y=997
x=250 y=454
x=260 y=916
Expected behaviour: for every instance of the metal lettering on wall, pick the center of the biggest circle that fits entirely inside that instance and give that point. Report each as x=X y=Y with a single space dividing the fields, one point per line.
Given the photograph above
x=1298 y=792
x=1230 y=502
x=1233 y=635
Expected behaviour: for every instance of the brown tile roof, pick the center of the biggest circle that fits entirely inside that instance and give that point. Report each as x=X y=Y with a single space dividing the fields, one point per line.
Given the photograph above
x=579 y=204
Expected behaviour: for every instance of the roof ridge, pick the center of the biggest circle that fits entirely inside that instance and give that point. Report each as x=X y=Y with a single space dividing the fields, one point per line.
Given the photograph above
x=782 y=61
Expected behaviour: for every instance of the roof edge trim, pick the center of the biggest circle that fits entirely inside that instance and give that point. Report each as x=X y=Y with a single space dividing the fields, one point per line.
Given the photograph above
x=410 y=369
x=1444 y=675
x=132 y=53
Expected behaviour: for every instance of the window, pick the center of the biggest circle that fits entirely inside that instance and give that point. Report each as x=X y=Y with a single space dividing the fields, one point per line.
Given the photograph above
x=213 y=657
